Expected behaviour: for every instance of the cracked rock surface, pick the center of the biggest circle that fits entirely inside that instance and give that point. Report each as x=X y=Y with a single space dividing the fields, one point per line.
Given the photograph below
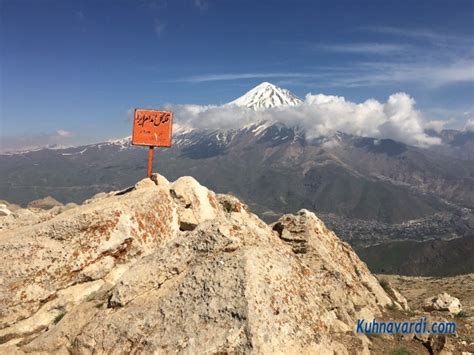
x=173 y=267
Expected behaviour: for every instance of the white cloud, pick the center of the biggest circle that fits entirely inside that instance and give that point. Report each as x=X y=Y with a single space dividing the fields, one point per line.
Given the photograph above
x=362 y=74
x=64 y=134
x=321 y=115
x=409 y=56
x=403 y=122
x=469 y=126
x=458 y=72
x=438 y=39
x=436 y=125
x=423 y=73
x=369 y=48
x=61 y=137
x=240 y=76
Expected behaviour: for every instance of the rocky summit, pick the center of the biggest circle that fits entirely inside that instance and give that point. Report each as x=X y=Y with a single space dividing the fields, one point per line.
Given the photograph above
x=173 y=267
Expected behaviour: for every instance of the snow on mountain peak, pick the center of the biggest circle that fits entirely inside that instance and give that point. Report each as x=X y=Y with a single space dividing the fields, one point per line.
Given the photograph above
x=266 y=95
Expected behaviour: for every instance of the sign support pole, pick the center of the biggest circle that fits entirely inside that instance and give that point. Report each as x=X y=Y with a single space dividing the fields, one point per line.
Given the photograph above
x=150 y=161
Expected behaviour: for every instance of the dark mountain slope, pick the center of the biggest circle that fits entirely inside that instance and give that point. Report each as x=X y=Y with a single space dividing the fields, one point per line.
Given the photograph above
x=430 y=258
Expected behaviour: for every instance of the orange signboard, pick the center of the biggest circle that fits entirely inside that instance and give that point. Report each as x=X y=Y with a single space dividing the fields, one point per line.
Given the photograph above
x=152 y=128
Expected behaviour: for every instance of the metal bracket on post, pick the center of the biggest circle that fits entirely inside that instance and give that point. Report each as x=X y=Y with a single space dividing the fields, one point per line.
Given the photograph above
x=150 y=161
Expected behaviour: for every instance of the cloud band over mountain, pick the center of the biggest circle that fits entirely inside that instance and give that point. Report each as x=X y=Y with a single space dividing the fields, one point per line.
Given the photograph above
x=320 y=115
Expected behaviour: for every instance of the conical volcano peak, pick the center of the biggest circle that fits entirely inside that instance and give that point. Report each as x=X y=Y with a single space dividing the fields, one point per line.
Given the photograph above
x=266 y=95
x=266 y=85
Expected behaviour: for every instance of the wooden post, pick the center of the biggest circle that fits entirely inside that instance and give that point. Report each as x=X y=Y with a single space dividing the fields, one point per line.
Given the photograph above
x=150 y=161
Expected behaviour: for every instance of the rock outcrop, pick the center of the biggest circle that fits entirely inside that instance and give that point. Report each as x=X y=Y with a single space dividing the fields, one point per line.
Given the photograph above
x=173 y=267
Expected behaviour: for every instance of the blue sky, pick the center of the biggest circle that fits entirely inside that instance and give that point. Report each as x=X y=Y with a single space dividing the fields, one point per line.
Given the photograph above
x=70 y=70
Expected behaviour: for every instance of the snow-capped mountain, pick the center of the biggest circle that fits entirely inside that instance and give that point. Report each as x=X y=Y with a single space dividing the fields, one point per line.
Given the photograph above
x=266 y=95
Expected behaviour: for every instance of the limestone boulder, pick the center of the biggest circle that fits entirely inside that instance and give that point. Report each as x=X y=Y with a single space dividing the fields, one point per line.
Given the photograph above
x=197 y=203
x=11 y=206
x=443 y=302
x=4 y=211
x=45 y=203
x=398 y=299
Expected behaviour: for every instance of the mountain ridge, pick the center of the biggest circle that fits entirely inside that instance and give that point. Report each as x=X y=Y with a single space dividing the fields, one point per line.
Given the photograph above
x=369 y=190
x=275 y=169
x=269 y=96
